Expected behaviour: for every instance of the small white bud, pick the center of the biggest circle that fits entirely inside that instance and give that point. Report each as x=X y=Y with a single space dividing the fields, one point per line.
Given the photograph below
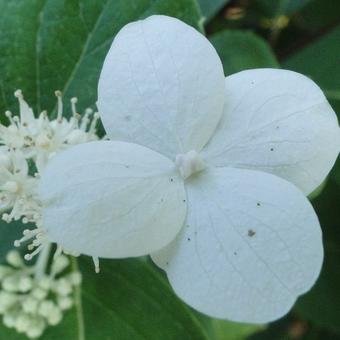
x=36 y=328
x=60 y=263
x=39 y=293
x=63 y=287
x=64 y=302
x=22 y=323
x=45 y=307
x=6 y=300
x=10 y=283
x=25 y=284
x=45 y=283
x=75 y=278
x=9 y=319
x=54 y=317
x=6 y=217
x=14 y=259
x=5 y=271
x=30 y=305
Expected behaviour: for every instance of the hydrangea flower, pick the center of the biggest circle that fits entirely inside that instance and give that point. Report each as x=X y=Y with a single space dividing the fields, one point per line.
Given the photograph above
x=207 y=174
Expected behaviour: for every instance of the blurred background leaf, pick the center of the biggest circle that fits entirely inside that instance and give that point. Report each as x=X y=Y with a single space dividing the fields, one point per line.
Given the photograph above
x=210 y=7
x=318 y=14
x=241 y=50
x=320 y=60
x=322 y=304
x=274 y=8
x=227 y=330
x=49 y=45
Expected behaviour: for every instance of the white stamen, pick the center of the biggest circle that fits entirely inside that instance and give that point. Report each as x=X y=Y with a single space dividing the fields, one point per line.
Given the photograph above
x=94 y=123
x=18 y=94
x=60 y=106
x=30 y=256
x=74 y=101
x=96 y=264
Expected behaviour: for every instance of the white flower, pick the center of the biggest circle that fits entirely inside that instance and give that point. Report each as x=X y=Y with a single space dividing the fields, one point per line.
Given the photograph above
x=58 y=134
x=41 y=138
x=210 y=174
x=17 y=187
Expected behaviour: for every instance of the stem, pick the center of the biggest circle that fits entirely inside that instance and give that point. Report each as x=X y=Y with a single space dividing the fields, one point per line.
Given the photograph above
x=78 y=303
x=276 y=27
x=41 y=264
x=332 y=94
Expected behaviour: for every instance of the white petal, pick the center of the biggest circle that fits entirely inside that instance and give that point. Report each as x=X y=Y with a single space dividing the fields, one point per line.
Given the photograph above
x=252 y=243
x=112 y=199
x=280 y=122
x=162 y=86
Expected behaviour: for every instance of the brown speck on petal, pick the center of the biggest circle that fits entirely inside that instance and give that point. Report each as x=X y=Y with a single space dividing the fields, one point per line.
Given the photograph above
x=251 y=233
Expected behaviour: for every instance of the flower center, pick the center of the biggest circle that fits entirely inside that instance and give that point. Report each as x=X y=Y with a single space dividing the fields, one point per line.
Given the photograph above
x=189 y=163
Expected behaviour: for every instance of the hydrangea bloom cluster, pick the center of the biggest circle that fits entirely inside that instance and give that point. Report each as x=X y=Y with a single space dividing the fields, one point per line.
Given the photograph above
x=27 y=144
x=30 y=302
x=33 y=297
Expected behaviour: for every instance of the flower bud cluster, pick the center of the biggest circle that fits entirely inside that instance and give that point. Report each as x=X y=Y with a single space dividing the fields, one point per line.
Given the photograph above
x=29 y=303
x=35 y=296
x=26 y=145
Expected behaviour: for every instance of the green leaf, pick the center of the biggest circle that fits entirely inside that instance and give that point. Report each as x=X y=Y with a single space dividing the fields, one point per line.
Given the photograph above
x=318 y=14
x=57 y=44
x=141 y=303
x=274 y=8
x=241 y=50
x=336 y=172
x=322 y=304
x=320 y=61
x=210 y=7
x=127 y=300
x=227 y=330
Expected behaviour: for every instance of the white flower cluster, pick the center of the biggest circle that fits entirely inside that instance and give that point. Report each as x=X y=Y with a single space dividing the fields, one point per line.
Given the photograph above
x=27 y=144
x=33 y=297
x=29 y=303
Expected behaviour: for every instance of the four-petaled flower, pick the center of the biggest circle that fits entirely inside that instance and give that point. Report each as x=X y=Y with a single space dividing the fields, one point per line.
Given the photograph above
x=209 y=174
